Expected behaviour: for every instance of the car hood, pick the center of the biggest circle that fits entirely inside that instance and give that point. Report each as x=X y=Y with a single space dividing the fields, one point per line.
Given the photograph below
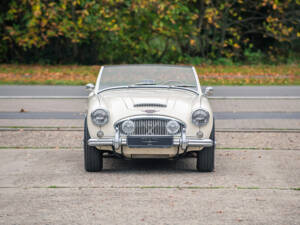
x=128 y=102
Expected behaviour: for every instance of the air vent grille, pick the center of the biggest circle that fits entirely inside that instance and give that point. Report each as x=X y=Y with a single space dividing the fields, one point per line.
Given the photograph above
x=150 y=105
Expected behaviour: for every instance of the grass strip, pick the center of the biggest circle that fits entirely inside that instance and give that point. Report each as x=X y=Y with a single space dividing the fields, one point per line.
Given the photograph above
x=208 y=74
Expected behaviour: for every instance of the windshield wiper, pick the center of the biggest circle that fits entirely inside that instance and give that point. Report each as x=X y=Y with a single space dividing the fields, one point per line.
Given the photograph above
x=145 y=84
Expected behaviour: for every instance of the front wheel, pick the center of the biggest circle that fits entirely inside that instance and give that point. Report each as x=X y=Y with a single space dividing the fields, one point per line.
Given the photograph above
x=206 y=157
x=93 y=159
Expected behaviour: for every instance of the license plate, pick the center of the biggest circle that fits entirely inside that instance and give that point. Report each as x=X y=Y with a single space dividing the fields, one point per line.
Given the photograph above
x=149 y=141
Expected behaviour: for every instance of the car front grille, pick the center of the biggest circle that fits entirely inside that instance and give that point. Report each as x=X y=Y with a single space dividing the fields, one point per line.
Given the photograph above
x=149 y=127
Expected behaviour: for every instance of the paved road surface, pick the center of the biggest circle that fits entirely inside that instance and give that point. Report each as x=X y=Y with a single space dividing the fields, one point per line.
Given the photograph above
x=217 y=115
x=39 y=186
x=71 y=138
x=236 y=91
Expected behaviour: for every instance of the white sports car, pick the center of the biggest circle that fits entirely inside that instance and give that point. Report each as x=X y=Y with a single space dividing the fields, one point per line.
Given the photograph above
x=148 y=111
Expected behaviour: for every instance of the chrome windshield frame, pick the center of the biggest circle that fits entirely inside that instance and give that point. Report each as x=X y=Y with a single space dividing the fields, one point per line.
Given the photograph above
x=99 y=79
x=148 y=86
x=197 y=80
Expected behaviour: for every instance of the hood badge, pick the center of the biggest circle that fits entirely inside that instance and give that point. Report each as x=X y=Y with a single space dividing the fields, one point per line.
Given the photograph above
x=150 y=111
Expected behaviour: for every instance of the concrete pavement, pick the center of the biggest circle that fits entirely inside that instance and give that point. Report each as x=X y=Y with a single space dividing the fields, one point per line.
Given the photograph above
x=237 y=125
x=268 y=169
x=58 y=139
x=247 y=187
x=148 y=206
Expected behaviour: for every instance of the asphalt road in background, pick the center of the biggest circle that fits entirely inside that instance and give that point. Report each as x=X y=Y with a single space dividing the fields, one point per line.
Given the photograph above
x=217 y=115
x=6 y=91
x=236 y=91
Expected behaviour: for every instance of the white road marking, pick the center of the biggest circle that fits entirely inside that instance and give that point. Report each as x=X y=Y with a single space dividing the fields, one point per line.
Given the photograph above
x=212 y=97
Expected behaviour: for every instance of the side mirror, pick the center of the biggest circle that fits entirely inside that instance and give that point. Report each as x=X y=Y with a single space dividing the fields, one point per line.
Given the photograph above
x=89 y=87
x=208 y=91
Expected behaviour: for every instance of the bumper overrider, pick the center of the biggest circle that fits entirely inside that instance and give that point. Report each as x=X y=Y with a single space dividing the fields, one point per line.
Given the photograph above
x=183 y=142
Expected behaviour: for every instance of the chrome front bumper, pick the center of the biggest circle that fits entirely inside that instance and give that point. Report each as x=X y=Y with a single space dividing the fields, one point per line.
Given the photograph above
x=183 y=142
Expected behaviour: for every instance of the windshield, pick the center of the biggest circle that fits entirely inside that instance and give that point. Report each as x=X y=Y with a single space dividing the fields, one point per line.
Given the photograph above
x=147 y=75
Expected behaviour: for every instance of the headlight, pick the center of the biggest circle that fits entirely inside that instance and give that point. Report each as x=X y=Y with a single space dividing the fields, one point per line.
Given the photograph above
x=100 y=117
x=200 y=117
x=172 y=127
x=128 y=127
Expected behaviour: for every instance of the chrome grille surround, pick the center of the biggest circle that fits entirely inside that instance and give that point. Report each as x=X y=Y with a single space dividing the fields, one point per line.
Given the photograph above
x=150 y=105
x=149 y=125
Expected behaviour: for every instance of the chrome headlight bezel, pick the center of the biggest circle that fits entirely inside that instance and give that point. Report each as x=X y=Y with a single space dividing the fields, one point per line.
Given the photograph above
x=105 y=115
x=172 y=124
x=204 y=117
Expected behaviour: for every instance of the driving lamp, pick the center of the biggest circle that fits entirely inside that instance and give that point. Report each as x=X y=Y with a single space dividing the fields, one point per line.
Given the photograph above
x=128 y=127
x=172 y=127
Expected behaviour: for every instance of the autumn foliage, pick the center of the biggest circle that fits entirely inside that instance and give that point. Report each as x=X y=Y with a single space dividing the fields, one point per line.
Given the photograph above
x=147 y=31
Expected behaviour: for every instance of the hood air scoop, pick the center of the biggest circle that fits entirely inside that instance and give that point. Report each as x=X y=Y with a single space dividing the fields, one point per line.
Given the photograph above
x=150 y=105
